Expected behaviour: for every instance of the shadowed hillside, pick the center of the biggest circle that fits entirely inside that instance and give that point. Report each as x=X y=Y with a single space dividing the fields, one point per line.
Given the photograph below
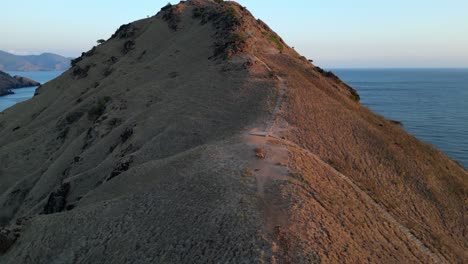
x=199 y=136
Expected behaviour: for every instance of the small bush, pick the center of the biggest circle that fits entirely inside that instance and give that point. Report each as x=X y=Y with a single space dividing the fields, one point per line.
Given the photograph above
x=79 y=72
x=166 y=7
x=197 y=12
x=126 y=134
x=73 y=117
x=7 y=239
x=219 y=1
x=231 y=17
x=128 y=46
x=172 y=17
x=75 y=61
x=98 y=109
x=260 y=153
x=275 y=39
x=124 y=31
x=355 y=97
x=238 y=37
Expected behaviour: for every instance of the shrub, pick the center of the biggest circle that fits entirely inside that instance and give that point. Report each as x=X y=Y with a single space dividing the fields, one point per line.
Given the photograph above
x=275 y=39
x=125 y=31
x=75 y=61
x=171 y=16
x=260 y=153
x=100 y=41
x=7 y=239
x=354 y=94
x=355 y=97
x=128 y=46
x=231 y=17
x=126 y=134
x=98 y=109
x=238 y=37
x=219 y=1
x=57 y=200
x=166 y=7
x=79 y=72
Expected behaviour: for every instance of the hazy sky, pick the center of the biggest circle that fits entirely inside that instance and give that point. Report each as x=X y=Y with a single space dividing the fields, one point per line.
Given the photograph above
x=335 y=33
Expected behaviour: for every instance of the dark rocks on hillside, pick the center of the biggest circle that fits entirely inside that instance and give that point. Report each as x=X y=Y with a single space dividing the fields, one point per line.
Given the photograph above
x=79 y=72
x=328 y=74
x=7 y=239
x=171 y=16
x=124 y=32
x=4 y=91
x=57 y=200
x=128 y=46
x=230 y=39
x=122 y=167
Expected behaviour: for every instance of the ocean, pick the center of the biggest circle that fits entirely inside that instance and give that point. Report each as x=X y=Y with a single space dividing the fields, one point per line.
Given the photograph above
x=432 y=104
x=23 y=94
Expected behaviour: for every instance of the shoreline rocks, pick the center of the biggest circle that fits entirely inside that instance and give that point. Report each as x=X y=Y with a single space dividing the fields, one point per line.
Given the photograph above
x=7 y=83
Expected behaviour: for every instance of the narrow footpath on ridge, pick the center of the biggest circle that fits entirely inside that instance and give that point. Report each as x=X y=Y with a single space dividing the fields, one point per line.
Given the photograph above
x=385 y=214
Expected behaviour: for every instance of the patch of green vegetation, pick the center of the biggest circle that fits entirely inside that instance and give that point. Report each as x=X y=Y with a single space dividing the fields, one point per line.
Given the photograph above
x=275 y=39
x=219 y=1
x=98 y=109
x=232 y=17
x=355 y=97
x=238 y=37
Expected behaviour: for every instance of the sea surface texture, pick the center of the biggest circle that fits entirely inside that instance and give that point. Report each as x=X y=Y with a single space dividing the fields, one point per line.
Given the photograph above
x=431 y=103
x=23 y=94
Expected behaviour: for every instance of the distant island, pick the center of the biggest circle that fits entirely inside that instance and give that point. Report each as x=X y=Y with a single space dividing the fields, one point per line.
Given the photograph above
x=7 y=82
x=43 y=62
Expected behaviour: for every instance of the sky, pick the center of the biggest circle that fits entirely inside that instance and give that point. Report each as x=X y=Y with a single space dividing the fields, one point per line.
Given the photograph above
x=334 y=33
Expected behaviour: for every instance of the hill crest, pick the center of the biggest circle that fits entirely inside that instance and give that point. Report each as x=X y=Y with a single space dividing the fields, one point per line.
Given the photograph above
x=198 y=135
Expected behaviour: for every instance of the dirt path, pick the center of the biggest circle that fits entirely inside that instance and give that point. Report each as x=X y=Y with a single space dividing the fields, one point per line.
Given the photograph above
x=385 y=214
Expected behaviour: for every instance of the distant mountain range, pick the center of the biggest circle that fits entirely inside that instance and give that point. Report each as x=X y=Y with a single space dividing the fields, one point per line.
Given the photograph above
x=43 y=62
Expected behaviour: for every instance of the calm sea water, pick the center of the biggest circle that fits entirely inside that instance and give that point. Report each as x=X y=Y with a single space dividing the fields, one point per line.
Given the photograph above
x=23 y=94
x=431 y=103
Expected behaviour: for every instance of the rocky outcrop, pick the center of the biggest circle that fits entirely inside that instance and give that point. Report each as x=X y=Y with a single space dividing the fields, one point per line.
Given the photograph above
x=7 y=238
x=7 y=83
x=5 y=91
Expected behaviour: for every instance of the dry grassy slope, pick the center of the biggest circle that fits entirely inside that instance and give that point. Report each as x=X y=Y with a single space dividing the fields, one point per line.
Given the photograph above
x=418 y=184
x=139 y=154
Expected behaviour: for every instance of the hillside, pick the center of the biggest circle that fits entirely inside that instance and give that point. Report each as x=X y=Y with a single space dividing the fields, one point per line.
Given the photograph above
x=199 y=136
x=8 y=82
x=43 y=62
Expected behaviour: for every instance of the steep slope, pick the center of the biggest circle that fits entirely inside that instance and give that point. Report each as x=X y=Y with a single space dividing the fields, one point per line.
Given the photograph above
x=42 y=62
x=199 y=136
x=7 y=83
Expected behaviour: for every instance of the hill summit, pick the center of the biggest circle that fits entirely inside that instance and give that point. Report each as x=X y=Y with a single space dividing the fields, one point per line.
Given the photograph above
x=199 y=136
